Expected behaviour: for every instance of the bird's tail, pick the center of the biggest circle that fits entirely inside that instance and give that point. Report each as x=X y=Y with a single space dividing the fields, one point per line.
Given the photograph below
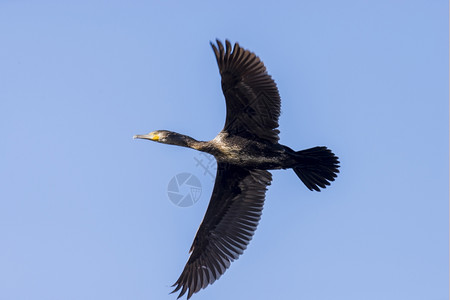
x=316 y=167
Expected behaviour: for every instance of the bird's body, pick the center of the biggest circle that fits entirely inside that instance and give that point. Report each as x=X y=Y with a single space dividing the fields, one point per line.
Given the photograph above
x=246 y=153
x=245 y=150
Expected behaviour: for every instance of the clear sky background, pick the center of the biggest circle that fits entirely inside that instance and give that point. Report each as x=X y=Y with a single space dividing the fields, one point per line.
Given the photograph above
x=84 y=211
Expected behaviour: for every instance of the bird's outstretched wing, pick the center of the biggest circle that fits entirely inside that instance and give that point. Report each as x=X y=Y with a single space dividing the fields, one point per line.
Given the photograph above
x=233 y=213
x=251 y=95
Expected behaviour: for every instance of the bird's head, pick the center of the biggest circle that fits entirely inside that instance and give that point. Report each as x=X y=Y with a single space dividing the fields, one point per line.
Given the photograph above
x=166 y=137
x=158 y=136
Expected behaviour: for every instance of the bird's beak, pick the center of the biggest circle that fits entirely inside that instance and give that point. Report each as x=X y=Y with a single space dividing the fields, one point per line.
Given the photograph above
x=150 y=136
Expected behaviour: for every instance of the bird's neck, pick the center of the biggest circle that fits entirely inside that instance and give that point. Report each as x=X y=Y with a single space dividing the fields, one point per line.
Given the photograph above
x=189 y=142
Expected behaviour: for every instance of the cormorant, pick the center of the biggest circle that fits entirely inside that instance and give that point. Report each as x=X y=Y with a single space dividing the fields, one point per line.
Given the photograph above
x=245 y=150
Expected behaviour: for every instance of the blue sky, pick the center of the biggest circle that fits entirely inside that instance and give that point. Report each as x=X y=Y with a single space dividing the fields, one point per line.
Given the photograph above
x=84 y=209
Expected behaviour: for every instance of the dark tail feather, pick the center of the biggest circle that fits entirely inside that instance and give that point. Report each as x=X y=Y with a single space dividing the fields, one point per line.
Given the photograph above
x=316 y=167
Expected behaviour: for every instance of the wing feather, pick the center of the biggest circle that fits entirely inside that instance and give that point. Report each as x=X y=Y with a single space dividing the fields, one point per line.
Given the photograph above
x=252 y=97
x=230 y=221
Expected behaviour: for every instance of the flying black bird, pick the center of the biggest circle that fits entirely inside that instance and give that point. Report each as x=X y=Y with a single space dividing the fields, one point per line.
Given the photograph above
x=245 y=150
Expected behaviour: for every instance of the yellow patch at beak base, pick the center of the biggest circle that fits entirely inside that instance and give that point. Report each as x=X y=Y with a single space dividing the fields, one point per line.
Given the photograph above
x=155 y=137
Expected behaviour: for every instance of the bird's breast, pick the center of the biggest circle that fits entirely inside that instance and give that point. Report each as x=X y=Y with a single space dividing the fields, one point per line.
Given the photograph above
x=246 y=153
